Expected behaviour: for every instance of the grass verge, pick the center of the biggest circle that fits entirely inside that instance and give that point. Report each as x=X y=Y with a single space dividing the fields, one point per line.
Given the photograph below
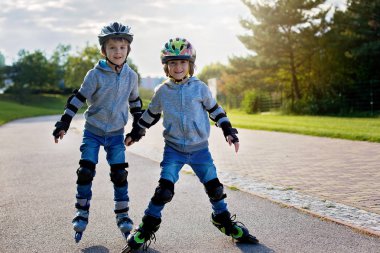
x=361 y=129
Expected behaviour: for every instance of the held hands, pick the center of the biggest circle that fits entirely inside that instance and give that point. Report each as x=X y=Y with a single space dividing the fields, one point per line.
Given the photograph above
x=134 y=136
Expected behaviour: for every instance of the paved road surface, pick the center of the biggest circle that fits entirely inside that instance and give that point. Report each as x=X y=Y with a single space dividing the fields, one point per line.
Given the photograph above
x=37 y=187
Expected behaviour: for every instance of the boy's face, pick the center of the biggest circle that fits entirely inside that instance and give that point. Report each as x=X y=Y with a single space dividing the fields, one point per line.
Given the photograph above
x=178 y=69
x=116 y=50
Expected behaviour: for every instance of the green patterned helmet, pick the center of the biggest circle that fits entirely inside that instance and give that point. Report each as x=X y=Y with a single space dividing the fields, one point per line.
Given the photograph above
x=115 y=30
x=178 y=49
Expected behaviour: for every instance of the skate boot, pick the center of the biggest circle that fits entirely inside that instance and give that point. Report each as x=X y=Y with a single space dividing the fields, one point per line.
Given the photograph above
x=143 y=235
x=227 y=225
x=124 y=223
x=79 y=223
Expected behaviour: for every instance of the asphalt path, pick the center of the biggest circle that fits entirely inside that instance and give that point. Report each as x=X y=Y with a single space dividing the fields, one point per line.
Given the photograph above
x=37 y=195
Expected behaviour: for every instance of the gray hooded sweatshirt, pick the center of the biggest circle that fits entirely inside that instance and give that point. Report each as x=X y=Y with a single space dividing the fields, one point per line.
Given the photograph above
x=185 y=117
x=109 y=96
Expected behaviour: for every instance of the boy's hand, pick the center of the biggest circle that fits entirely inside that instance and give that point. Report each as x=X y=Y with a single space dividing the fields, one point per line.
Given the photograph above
x=60 y=130
x=128 y=141
x=59 y=136
x=233 y=140
x=230 y=134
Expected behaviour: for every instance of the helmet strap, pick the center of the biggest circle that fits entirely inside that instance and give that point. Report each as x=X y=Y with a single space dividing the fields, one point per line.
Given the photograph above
x=117 y=67
x=178 y=80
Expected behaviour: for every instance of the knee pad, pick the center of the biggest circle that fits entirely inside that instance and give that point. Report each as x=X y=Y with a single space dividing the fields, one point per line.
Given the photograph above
x=85 y=172
x=119 y=174
x=164 y=192
x=214 y=190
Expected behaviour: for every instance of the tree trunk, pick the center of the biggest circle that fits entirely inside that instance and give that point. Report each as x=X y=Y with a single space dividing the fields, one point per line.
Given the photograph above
x=295 y=86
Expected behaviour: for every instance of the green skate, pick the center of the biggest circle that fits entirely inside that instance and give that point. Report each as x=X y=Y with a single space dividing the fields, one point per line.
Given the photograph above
x=143 y=235
x=227 y=225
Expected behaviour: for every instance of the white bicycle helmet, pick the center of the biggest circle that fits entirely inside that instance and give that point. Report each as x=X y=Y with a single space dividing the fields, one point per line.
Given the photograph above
x=115 y=30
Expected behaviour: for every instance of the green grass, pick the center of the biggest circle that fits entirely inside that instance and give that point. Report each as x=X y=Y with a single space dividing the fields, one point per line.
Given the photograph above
x=363 y=129
x=33 y=106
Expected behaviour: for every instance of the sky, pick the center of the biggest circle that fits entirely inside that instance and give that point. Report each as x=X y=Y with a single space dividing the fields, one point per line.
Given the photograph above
x=212 y=26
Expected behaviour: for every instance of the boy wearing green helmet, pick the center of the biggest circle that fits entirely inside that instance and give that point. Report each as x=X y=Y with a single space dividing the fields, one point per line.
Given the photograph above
x=187 y=104
x=110 y=90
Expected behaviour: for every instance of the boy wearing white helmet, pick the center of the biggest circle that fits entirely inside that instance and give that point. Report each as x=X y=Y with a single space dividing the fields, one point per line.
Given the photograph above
x=187 y=104
x=110 y=90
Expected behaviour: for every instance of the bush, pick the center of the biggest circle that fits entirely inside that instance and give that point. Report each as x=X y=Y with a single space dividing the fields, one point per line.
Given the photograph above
x=255 y=101
x=314 y=106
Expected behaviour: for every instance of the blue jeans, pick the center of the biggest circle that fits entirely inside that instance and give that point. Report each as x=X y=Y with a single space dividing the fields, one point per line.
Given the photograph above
x=203 y=166
x=115 y=149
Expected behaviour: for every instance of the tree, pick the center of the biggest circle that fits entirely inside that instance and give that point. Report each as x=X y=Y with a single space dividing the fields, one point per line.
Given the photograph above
x=355 y=38
x=58 y=63
x=360 y=27
x=78 y=65
x=31 y=73
x=135 y=68
x=284 y=35
x=213 y=70
x=2 y=70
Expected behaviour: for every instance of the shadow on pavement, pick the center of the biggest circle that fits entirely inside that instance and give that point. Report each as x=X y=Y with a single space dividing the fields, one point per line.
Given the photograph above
x=96 y=249
x=257 y=248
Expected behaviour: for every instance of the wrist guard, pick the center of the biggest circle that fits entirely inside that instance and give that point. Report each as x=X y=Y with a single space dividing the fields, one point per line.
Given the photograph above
x=136 y=117
x=229 y=130
x=63 y=124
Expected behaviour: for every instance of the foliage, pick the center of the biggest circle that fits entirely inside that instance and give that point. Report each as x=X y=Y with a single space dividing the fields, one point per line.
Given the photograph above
x=312 y=64
x=213 y=70
x=285 y=35
x=33 y=72
x=2 y=70
x=256 y=101
x=79 y=64
x=30 y=73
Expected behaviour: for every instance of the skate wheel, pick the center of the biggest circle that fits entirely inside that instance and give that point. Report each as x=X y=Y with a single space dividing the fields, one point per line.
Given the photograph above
x=126 y=249
x=126 y=234
x=78 y=236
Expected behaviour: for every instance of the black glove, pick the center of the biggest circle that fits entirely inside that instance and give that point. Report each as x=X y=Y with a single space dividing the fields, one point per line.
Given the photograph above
x=229 y=130
x=59 y=126
x=63 y=124
x=136 y=134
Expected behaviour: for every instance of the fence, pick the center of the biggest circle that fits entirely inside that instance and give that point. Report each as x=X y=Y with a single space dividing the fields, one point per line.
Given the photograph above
x=362 y=98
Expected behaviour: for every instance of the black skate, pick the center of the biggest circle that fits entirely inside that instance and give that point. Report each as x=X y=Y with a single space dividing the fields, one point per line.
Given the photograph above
x=227 y=225
x=124 y=223
x=80 y=223
x=143 y=235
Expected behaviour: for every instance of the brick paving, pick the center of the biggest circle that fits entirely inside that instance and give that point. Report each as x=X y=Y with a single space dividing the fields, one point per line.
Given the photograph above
x=347 y=172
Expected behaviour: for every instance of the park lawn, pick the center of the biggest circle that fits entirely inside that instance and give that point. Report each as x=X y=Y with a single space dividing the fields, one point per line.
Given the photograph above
x=363 y=129
x=33 y=106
